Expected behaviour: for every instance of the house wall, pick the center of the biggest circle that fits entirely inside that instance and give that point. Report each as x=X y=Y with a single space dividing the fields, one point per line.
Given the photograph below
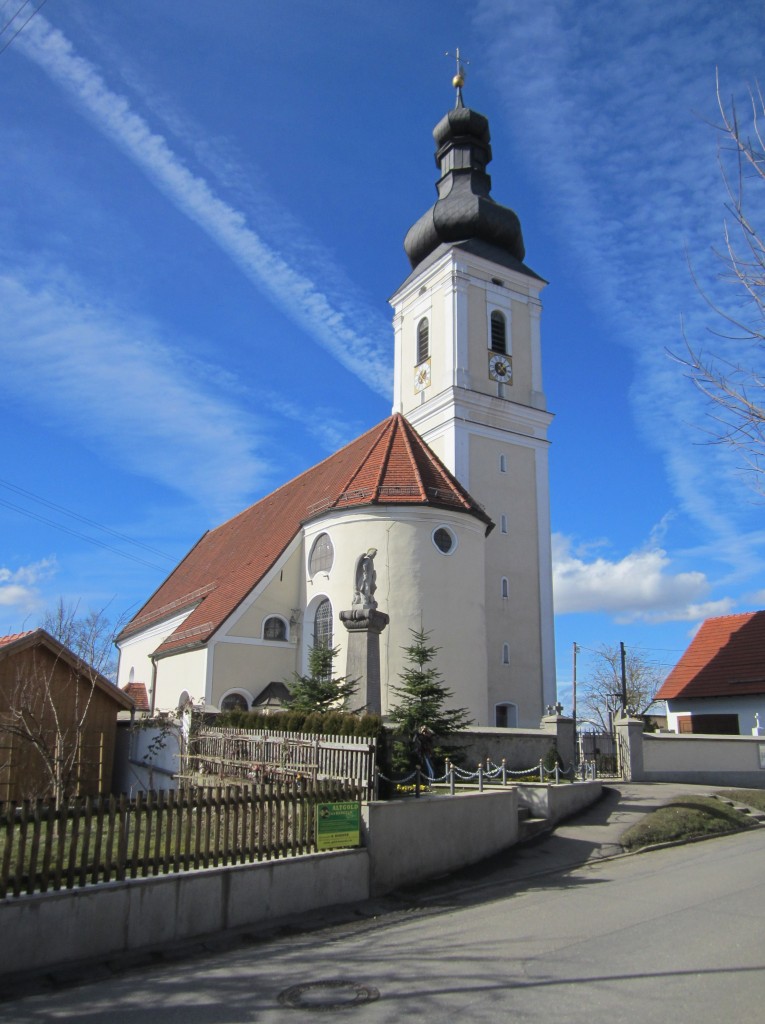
x=48 y=689
x=417 y=586
x=744 y=707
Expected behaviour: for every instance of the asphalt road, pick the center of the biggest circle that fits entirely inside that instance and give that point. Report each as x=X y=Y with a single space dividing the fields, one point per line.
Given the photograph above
x=671 y=935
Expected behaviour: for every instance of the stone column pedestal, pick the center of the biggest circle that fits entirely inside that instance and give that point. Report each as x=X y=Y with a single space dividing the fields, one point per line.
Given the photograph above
x=364 y=626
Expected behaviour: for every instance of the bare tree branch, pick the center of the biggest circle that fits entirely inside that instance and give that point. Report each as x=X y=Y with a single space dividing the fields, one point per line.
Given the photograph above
x=735 y=390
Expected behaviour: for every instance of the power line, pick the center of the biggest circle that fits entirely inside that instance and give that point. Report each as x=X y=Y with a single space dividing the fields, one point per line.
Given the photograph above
x=83 y=519
x=23 y=25
x=81 y=536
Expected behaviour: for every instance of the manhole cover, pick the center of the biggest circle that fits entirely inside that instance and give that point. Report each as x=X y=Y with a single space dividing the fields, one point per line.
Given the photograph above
x=328 y=995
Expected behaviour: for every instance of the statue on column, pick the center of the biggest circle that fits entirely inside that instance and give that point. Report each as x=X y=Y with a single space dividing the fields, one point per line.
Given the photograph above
x=366 y=581
x=364 y=624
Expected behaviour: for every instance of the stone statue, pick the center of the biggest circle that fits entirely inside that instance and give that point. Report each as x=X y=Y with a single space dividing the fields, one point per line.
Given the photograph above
x=366 y=581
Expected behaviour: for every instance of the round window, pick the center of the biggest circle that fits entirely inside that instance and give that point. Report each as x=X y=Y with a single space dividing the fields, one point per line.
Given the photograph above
x=444 y=540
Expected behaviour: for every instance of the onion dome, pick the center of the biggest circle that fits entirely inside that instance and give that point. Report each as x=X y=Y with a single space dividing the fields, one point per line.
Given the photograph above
x=464 y=209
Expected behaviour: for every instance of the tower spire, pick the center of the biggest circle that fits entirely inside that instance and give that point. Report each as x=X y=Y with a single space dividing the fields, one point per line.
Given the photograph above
x=459 y=79
x=464 y=210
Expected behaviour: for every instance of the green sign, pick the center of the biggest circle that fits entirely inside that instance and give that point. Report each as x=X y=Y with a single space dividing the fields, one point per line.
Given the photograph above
x=338 y=825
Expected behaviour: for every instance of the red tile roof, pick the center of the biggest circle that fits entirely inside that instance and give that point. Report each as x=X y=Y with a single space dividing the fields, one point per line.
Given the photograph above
x=138 y=694
x=12 y=637
x=726 y=658
x=389 y=465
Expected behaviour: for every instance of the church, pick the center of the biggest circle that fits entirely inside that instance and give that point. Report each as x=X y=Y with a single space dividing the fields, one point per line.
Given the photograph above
x=435 y=519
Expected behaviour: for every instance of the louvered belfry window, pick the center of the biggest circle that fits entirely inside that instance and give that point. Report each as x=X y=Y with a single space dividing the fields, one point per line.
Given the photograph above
x=498 y=332
x=423 y=340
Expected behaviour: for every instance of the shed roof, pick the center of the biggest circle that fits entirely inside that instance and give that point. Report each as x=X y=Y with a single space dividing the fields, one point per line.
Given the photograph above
x=17 y=642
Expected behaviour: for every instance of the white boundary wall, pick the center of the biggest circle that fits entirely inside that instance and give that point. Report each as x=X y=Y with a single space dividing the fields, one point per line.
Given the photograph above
x=707 y=760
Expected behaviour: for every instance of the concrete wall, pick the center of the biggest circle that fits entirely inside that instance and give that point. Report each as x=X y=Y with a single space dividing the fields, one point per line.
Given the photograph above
x=406 y=837
x=44 y=929
x=407 y=841
x=521 y=748
x=708 y=760
x=558 y=802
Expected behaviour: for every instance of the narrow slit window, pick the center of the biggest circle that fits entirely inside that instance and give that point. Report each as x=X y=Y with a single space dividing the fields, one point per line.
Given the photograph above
x=498 y=332
x=423 y=340
x=505 y=588
x=503 y=463
x=503 y=523
x=505 y=654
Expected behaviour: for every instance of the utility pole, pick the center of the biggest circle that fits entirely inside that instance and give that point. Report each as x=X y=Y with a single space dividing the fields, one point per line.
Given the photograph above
x=573 y=709
x=573 y=703
x=624 y=678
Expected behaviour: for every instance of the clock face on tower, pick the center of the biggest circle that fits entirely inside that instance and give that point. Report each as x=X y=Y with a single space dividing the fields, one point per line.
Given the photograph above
x=501 y=368
x=422 y=376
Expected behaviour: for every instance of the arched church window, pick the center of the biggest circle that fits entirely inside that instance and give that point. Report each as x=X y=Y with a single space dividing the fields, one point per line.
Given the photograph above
x=498 y=332
x=322 y=624
x=505 y=588
x=322 y=555
x=234 y=702
x=274 y=628
x=423 y=340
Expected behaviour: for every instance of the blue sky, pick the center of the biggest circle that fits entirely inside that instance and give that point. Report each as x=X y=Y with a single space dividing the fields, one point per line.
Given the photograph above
x=202 y=209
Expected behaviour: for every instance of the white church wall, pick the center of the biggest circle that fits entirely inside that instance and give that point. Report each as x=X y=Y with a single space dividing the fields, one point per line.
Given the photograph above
x=249 y=667
x=279 y=594
x=135 y=665
x=417 y=586
x=515 y=674
x=185 y=671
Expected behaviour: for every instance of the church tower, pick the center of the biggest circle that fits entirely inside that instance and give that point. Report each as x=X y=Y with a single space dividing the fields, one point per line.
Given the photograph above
x=468 y=377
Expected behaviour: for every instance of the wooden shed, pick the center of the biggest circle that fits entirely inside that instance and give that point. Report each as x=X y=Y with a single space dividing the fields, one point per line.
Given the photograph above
x=58 y=720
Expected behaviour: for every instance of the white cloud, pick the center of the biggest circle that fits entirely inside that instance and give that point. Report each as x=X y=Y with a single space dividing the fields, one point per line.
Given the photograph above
x=640 y=586
x=334 y=324
x=19 y=587
x=121 y=385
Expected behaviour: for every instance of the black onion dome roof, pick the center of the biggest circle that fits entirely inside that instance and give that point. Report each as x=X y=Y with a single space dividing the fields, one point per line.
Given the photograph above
x=464 y=208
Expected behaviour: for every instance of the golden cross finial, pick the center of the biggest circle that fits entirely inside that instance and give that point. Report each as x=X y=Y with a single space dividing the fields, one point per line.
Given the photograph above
x=459 y=79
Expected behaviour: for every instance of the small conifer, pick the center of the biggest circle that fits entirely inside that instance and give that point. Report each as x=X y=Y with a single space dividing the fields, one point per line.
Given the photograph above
x=318 y=690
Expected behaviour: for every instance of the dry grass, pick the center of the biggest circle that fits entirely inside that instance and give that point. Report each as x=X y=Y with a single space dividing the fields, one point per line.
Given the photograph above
x=684 y=818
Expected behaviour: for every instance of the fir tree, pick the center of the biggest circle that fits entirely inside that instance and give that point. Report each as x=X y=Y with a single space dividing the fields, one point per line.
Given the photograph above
x=423 y=700
x=318 y=690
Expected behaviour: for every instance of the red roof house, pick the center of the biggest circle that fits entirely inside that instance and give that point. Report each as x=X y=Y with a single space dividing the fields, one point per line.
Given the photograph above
x=718 y=686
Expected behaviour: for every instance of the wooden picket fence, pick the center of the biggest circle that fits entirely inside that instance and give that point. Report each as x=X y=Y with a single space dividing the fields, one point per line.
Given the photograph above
x=91 y=840
x=220 y=755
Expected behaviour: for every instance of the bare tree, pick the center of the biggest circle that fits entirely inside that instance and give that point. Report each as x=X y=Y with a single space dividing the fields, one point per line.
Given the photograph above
x=89 y=636
x=601 y=695
x=736 y=388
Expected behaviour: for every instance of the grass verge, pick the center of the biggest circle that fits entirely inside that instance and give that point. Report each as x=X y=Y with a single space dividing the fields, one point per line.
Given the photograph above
x=685 y=818
x=751 y=797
